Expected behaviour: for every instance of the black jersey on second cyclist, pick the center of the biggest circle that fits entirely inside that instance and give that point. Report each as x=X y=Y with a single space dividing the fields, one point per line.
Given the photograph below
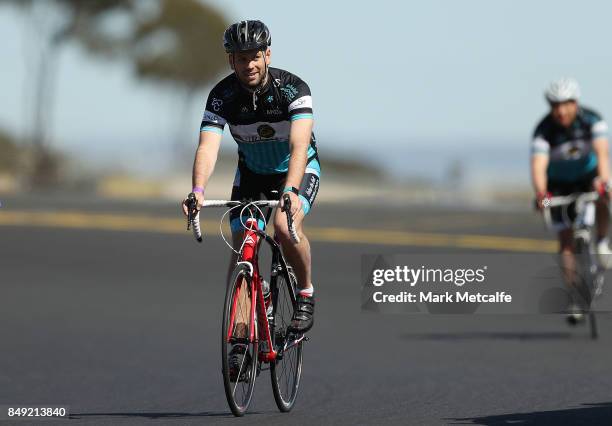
x=260 y=121
x=570 y=150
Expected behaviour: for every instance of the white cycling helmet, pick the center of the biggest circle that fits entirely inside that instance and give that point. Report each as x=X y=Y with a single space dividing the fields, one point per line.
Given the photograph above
x=562 y=90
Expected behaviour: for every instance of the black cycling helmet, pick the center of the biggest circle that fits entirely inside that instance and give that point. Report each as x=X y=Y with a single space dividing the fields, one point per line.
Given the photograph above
x=246 y=35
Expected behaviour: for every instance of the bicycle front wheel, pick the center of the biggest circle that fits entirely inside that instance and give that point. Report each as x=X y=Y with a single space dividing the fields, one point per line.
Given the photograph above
x=238 y=350
x=286 y=370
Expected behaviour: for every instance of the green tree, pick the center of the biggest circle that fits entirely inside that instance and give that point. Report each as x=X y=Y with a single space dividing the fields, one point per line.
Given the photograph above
x=50 y=24
x=176 y=42
x=53 y=23
x=9 y=154
x=181 y=48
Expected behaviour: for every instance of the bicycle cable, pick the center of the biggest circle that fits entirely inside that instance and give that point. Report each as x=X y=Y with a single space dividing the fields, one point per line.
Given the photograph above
x=221 y=230
x=244 y=225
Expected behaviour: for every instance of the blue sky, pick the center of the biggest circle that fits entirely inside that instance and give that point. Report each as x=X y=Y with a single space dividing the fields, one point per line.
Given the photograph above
x=390 y=80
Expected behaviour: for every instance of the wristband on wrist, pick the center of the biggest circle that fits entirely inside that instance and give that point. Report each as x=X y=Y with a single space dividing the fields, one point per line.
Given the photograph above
x=198 y=189
x=291 y=189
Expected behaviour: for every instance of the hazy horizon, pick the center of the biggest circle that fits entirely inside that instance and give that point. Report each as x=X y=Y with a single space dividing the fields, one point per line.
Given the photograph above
x=437 y=77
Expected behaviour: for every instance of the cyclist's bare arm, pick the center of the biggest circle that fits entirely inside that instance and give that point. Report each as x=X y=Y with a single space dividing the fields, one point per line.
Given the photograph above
x=299 y=140
x=539 y=165
x=600 y=146
x=204 y=162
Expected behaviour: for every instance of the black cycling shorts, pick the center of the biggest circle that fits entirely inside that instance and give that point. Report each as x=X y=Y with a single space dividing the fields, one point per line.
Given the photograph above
x=557 y=214
x=254 y=186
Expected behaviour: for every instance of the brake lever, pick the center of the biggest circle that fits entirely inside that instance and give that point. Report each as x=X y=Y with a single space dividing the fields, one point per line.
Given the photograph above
x=191 y=200
x=287 y=209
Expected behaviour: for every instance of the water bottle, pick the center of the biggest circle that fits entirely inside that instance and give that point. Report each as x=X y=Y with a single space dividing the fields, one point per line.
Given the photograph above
x=265 y=288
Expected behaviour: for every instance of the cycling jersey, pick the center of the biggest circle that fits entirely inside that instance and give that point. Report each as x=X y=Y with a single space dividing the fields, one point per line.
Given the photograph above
x=260 y=121
x=570 y=150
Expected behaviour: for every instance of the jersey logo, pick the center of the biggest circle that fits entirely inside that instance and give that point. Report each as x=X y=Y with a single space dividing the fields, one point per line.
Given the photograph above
x=289 y=91
x=313 y=188
x=573 y=153
x=269 y=99
x=216 y=104
x=265 y=131
x=301 y=102
x=209 y=116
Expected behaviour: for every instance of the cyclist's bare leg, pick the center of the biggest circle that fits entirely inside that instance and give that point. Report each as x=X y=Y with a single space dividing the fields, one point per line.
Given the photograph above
x=602 y=217
x=244 y=302
x=568 y=259
x=298 y=255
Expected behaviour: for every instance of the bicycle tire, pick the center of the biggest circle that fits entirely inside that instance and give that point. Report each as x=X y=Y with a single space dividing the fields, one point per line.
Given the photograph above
x=593 y=326
x=239 y=393
x=585 y=276
x=589 y=277
x=286 y=369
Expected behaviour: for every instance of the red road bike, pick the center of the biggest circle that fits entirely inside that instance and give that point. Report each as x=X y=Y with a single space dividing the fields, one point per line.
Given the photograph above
x=257 y=319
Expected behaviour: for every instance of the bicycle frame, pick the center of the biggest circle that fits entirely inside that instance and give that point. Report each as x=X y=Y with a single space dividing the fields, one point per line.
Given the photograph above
x=252 y=239
x=270 y=338
x=582 y=226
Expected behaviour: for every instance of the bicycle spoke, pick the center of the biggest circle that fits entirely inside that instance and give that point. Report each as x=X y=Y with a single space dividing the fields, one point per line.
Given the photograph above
x=240 y=372
x=242 y=319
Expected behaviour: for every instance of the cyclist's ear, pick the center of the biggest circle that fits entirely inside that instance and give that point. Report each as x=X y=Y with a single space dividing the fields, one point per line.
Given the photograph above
x=230 y=59
x=267 y=56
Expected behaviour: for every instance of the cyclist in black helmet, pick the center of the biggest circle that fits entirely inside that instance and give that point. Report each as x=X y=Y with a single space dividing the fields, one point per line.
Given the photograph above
x=269 y=113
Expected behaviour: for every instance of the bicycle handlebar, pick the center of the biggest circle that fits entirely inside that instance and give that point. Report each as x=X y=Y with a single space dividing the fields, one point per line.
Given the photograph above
x=580 y=198
x=193 y=215
x=229 y=203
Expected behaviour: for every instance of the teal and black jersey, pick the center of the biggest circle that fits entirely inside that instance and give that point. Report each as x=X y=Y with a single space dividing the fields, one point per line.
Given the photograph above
x=260 y=121
x=570 y=150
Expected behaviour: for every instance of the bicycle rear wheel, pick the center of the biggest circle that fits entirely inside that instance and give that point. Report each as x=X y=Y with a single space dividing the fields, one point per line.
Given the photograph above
x=585 y=274
x=588 y=281
x=593 y=326
x=286 y=370
x=239 y=381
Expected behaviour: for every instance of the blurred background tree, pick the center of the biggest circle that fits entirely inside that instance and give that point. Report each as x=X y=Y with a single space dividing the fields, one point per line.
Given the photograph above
x=171 y=42
x=9 y=154
x=181 y=47
x=48 y=26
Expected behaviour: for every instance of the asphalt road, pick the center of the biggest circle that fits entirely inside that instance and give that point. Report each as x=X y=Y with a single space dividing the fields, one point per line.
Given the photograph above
x=123 y=327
